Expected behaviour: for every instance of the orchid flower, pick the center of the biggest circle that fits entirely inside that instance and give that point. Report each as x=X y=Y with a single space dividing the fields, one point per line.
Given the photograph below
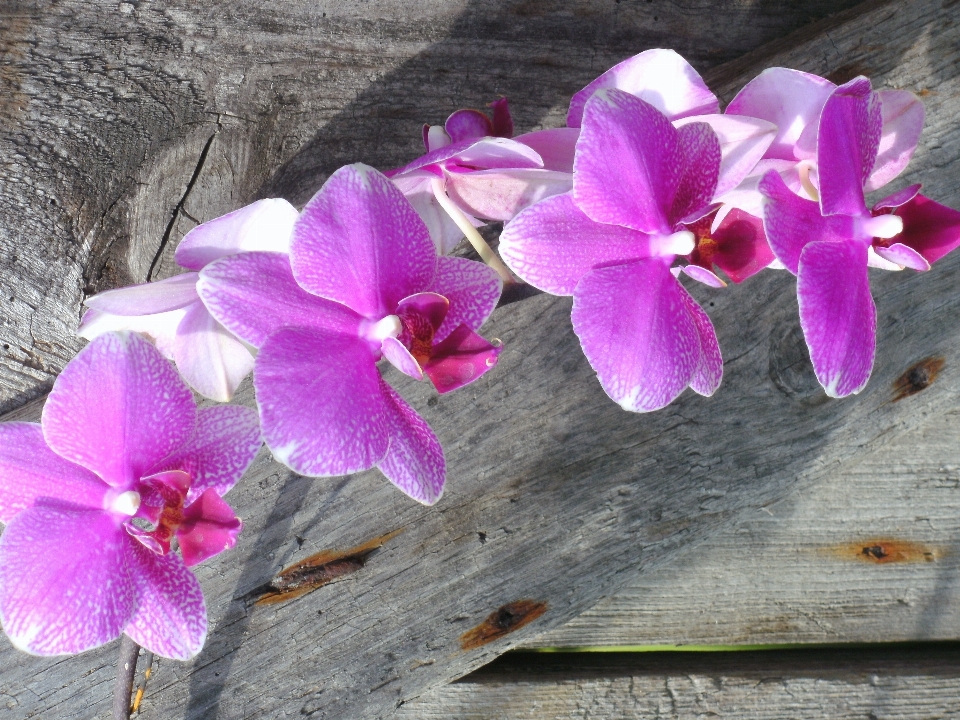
x=362 y=283
x=829 y=242
x=121 y=464
x=639 y=183
x=170 y=312
x=473 y=173
x=793 y=100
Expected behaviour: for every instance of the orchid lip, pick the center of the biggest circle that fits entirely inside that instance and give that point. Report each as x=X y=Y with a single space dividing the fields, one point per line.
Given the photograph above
x=125 y=503
x=882 y=226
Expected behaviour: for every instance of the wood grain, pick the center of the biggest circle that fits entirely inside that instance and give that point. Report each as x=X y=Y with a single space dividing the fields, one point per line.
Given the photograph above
x=882 y=683
x=869 y=554
x=555 y=495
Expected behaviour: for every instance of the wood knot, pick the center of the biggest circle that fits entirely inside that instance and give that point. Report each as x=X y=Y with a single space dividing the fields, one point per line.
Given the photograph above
x=917 y=377
x=501 y=621
x=790 y=368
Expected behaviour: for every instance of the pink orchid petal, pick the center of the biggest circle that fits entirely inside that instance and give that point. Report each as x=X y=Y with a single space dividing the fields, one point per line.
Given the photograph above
x=930 y=228
x=30 y=470
x=460 y=359
x=360 y=243
x=501 y=194
x=847 y=143
x=414 y=462
x=703 y=275
x=161 y=329
x=901 y=254
x=660 y=77
x=397 y=355
x=637 y=333
x=224 y=445
x=472 y=290
x=709 y=372
x=743 y=142
x=118 y=408
x=901 y=197
x=209 y=357
x=468 y=125
x=555 y=146
x=553 y=244
x=209 y=527
x=170 y=618
x=321 y=407
x=742 y=247
x=837 y=314
x=263 y=226
x=484 y=153
x=255 y=294
x=790 y=222
x=700 y=168
x=629 y=162
x=149 y=298
x=417 y=187
x=903 y=115
x=65 y=583
x=790 y=99
x=502 y=120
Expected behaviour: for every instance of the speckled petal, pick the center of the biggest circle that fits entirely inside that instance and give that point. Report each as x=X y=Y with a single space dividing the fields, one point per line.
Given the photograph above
x=30 y=470
x=553 y=244
x=637 y=333
x=65 y=583
x=255 y=294
x=322 y=411
x=118 y=408
x=170 y=618
x=359 y=242
x=472 y=289
x=699 y=171
x=414 y=462
x=847 y=143
x=837 y=314
x=743 y=142
x=226 y=441
x=628 y=165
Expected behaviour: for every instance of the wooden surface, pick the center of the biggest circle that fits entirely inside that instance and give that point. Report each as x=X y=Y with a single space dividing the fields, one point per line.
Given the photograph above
x=869 y=554
x=553 y=490
x=881 y=683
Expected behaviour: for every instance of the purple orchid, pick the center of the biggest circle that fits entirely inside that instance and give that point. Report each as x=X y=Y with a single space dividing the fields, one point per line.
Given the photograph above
x=829 y=243
x=638 y=185
x=93 y=496
x=470 y=124
x=171 y=313
x=793 y=100
x=362 y=282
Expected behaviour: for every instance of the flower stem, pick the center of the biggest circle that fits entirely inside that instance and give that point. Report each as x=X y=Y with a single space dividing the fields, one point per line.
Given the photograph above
x=126 y=669
x=475 y=238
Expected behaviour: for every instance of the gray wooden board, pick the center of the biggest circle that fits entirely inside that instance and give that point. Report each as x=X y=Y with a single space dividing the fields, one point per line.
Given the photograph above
x=555 y=494
x=796 y=571
x=880 y=683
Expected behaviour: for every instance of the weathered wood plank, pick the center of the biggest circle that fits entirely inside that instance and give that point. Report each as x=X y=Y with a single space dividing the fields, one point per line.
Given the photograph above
x=554 y=491
x=886 y=683
x=796 y=571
